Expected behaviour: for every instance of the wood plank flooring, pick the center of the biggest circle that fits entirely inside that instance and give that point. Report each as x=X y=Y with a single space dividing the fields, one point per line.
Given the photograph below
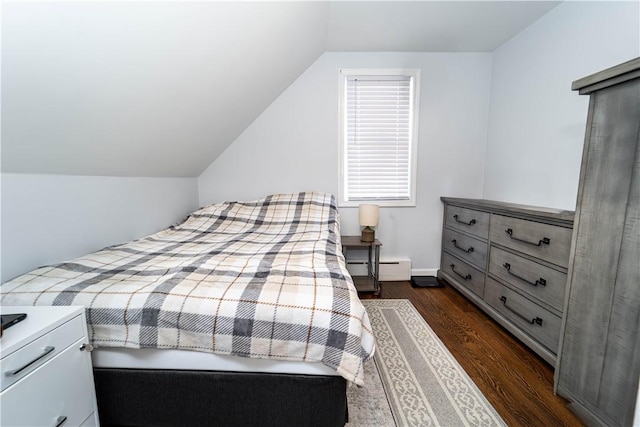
x=517 y=382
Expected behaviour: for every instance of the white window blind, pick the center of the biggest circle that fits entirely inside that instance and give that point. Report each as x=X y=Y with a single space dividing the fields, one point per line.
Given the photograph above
x=378 y=132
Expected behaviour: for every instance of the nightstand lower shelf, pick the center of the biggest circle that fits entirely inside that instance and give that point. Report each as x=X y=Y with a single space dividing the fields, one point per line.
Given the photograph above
x=370 y=282
x=365 y=284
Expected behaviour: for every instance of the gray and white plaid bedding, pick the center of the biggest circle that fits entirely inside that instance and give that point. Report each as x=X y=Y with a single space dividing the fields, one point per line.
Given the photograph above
x=263 y=279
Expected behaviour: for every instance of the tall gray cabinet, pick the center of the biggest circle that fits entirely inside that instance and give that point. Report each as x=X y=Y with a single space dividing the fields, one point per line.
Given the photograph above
x=599 y=359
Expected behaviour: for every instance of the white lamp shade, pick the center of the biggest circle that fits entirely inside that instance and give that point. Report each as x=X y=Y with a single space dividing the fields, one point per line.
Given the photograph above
x=369 y=215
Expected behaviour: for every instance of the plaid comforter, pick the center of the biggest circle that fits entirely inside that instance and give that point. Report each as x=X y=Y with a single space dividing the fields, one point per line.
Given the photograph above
x=263 y=279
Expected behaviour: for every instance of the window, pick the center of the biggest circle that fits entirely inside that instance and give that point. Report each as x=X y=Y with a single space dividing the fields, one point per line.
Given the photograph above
x=378 y=134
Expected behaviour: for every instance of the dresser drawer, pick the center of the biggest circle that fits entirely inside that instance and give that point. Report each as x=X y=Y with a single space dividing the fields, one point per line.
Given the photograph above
x=471 y=250
x=21 y=362
x=531 y=318
x=468 y=220
x=468 y=276
x=548 y=242
x=61 y=387
x=536 y=280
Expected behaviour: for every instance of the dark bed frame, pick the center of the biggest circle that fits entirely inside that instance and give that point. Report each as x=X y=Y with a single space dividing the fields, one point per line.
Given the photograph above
x=147 y=397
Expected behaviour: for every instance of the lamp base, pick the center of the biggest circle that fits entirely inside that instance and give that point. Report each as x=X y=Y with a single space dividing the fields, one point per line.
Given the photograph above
x=368 y=235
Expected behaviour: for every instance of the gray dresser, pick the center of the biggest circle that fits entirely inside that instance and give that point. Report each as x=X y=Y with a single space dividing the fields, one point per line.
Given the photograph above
x=510 y=260
x=599 y=363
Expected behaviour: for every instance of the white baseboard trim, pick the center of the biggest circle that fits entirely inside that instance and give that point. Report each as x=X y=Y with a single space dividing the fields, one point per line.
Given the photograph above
x=424 y=271
x=391 y=269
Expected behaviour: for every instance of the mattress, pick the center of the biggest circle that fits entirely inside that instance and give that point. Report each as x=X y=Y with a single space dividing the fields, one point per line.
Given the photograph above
x=149 y=358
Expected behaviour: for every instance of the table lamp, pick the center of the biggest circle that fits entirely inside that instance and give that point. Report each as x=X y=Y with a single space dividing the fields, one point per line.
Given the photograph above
x=369 y=216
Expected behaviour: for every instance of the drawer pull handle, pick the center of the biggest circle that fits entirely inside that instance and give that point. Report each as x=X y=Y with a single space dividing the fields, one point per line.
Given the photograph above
x=453 y=268
x=540 y=281
x=46 y=351
x=60 y=420
x=535 y=320
x=544 y=240
x=473 y=221
x=86 y=347
x=455 y=243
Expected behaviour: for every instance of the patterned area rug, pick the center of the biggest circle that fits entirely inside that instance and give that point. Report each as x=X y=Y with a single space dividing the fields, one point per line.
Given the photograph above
x=413 y=380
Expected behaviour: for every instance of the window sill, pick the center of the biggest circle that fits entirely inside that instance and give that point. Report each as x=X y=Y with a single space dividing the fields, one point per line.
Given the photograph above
x=381 y=203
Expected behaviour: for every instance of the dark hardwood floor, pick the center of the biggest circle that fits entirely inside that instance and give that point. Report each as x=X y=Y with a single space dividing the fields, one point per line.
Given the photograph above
x=517 y=382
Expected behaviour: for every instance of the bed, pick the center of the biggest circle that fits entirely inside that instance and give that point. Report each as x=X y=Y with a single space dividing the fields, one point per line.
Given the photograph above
x=242 y=314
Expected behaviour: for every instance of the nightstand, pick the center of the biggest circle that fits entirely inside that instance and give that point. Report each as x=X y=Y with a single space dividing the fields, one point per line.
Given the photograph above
x=370 y=282
x=47 y=377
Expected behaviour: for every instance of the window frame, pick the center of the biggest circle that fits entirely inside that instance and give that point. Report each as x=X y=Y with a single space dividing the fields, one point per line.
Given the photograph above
x=414 y=75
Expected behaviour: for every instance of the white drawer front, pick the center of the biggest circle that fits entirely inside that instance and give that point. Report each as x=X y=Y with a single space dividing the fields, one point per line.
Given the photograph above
x=59 y=388
x=38 y=352
x=89 y=422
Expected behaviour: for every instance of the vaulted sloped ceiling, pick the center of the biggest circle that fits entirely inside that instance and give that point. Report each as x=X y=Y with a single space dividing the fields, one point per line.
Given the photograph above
x=429 y=26
x=144 y=89
x=162 y=88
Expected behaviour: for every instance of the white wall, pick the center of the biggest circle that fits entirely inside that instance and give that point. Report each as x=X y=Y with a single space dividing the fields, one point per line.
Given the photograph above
x=52 y=218
x=293 y=145
x=536 y=123
x=636 y=418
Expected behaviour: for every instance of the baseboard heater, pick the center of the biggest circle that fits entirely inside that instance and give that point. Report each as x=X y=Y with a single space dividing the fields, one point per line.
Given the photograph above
x=390 y=269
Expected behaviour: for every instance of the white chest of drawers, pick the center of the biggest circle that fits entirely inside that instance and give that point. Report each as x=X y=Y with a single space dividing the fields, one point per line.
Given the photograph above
x=511 y=261
x=47 y=378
